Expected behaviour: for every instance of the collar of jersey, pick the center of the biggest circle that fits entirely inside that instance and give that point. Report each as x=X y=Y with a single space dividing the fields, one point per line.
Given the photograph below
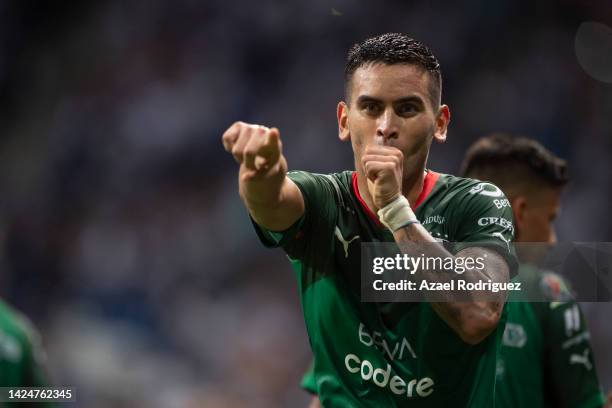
x=428 y=184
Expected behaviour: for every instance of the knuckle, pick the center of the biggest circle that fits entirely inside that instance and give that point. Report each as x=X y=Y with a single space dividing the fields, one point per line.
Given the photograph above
x=228 y=133
x=232 y=132
x=236 y=127
x=256 y=128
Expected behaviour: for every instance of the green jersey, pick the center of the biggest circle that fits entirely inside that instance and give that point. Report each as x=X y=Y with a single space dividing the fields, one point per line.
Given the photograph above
x=388 y=354
x=546 y=358
x=21 y=355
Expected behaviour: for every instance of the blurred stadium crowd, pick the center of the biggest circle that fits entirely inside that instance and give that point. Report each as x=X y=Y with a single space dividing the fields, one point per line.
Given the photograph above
x=123 y=237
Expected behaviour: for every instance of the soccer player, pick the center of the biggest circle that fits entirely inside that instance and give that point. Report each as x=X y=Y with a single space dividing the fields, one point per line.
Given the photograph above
x=428 y=354
x=546 y=359
x=21 y=354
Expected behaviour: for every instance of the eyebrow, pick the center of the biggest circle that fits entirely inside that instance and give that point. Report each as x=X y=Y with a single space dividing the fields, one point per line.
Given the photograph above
x=367 y=98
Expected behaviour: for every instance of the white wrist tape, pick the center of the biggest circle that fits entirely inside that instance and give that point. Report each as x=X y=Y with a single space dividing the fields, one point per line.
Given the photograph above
x=397 y=214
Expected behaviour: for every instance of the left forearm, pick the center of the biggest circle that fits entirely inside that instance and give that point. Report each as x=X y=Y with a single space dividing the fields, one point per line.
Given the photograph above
x=472 y=320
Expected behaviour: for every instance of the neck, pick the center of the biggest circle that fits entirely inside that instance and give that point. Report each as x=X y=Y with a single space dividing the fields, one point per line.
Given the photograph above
x=412 y=185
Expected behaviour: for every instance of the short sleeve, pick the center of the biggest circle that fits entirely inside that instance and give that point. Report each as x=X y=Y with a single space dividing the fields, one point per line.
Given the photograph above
x=571 y=377
x=309 y=382
x=319 y=216
x=483 y=217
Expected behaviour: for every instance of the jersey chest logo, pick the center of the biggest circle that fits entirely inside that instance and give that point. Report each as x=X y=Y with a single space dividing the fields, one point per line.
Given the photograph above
x=514 y=335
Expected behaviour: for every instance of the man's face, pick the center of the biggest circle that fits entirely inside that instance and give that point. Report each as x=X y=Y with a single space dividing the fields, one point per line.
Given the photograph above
x=540 y=209
x=391 y=105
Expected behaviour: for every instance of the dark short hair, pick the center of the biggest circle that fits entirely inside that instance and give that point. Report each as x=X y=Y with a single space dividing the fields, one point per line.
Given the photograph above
x=390 y=49
x=513 y=161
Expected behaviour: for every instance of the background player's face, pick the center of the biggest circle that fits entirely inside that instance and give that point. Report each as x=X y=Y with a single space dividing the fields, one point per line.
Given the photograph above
x=391 y=104
x=535 y=215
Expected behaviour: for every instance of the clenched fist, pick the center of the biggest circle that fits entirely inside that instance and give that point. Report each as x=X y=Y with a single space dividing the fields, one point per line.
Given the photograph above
x=383 y=167
x=257 y=149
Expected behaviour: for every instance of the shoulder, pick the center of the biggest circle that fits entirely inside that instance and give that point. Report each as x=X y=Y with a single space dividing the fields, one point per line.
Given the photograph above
x=301 y=177
x=464 y=196
x=468 y=186
x=319 y=186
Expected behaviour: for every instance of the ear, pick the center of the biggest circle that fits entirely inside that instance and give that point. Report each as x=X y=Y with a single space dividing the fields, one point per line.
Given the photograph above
x=342 y=113
x=519 y=213
x=442 y=121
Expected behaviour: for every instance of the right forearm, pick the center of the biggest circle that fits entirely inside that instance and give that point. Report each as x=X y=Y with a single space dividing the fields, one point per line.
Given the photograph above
x=263 y=197
x=265 y=190
x=275 y=205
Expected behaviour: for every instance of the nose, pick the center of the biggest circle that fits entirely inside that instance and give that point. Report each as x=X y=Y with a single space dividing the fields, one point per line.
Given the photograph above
x=387 y=126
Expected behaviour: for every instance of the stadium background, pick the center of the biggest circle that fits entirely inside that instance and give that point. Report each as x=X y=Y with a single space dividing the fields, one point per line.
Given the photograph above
x=122 y=234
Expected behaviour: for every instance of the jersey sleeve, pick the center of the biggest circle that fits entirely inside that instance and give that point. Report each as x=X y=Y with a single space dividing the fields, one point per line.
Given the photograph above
x=309 y=382
x=483 y=217
x=320 y=211
x=570 y=374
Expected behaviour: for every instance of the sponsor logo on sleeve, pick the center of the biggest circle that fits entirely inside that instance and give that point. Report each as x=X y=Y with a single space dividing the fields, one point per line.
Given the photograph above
x=502 y=222
x=434 y=219
x=499 y=204
x=486 y=189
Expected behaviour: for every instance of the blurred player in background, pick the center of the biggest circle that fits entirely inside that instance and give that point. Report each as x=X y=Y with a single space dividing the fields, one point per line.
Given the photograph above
x=22 y=359
x=546 y=359
x=428 y=354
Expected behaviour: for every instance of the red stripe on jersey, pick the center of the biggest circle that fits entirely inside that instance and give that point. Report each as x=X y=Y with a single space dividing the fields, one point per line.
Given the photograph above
x=364 y=206
x=428 y=184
